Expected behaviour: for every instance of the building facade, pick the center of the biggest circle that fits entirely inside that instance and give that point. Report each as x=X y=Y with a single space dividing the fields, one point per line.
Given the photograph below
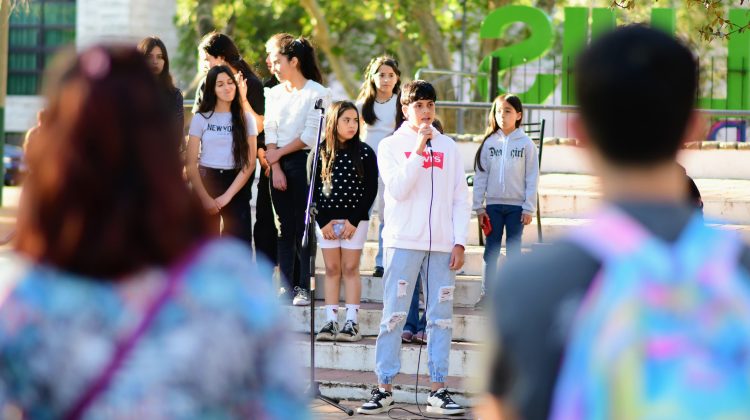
x=41 y=28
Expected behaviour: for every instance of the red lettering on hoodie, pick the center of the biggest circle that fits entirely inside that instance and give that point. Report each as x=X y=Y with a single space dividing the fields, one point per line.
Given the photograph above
x=435 y=159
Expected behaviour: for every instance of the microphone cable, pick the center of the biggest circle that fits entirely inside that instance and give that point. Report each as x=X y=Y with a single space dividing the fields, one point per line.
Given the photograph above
x=426 y=289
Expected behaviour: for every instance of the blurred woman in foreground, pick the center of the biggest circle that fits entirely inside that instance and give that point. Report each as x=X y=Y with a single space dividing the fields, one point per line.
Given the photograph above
x=117 y=302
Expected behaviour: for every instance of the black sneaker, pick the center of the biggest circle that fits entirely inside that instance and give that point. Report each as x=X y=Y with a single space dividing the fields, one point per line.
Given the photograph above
x=440 y=402
x=378 y=271
x=350 y=332
x=328 y=332
x=301 y=297
x=380 y=401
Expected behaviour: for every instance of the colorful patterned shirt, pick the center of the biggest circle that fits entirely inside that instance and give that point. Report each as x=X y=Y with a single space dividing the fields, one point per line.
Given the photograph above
x=218 y=349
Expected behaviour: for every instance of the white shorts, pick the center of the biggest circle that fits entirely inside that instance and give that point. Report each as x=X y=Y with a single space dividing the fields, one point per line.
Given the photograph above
x=356 y=242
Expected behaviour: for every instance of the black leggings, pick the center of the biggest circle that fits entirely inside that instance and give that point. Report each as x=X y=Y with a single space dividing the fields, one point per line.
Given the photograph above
x=264 y=231
x=236 y=214
x=294 y=261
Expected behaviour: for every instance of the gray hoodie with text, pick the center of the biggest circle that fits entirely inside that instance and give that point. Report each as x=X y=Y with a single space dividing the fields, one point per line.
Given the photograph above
x=511 y=172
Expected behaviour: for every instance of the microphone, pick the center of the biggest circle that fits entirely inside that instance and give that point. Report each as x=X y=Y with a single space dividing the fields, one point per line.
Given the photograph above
x=319 y=104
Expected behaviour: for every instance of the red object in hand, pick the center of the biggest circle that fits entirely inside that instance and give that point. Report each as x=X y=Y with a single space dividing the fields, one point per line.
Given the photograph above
x=486 y=226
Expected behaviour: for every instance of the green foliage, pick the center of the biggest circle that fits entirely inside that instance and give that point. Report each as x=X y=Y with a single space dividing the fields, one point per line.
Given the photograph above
x=358 y=30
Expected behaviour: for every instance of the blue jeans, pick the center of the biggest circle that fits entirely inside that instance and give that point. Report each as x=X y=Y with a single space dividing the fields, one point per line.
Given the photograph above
x=502 y=217
x=414 y=322
x=379 y=255
x=380 y=206
x=402 y=268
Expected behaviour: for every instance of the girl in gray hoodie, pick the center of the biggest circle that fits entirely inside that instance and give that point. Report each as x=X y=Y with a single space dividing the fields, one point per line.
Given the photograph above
x=506 y=180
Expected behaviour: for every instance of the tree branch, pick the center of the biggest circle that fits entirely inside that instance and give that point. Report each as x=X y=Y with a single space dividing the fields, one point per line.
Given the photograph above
x=322 y=38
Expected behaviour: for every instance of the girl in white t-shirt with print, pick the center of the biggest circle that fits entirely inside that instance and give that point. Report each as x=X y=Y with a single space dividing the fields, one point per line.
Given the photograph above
x=221 y=154
x=378 y=104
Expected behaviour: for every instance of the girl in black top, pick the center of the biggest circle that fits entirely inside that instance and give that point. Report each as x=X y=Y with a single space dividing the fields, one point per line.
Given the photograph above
x=346 y=183
x=158 y=61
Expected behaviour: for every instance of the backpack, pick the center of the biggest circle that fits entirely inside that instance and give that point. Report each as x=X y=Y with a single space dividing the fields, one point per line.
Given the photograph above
x=664 y=330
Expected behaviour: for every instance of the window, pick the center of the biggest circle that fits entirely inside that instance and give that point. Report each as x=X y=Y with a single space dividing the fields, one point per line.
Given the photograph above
x=36 y=31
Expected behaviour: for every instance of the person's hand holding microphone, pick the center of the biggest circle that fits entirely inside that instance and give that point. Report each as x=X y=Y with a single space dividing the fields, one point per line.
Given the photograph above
x=424 y=135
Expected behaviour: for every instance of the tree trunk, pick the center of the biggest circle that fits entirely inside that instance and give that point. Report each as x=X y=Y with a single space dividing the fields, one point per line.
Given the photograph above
x=546 y=5
x=437 y=49
x=432 y=35
x=231 y=23
x=323 y=39
x=204 y=21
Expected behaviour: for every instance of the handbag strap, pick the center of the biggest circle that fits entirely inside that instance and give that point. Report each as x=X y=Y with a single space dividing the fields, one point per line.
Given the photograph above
x=99 y=385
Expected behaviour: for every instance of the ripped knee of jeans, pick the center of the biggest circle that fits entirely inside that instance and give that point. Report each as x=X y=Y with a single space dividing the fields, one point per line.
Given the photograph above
x=445 y=324
x=395 y=319
x=402 y=286
x=446 y=293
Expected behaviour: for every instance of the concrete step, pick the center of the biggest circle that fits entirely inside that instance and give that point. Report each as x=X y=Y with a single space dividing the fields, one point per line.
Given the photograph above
x=464 y=359
x=355 y=386
x=473 y=264
x=468 y=289
x=468 y=325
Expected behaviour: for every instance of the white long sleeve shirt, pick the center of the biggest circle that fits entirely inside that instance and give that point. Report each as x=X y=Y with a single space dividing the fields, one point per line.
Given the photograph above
x=414 y=183
x=292 y=114
x=385 y=124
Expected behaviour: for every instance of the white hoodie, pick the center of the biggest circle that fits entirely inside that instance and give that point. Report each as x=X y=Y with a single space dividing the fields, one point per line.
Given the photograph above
x=412 y=184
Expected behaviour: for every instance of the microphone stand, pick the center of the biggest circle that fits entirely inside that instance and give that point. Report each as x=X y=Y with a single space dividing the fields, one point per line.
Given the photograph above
x=308 y=242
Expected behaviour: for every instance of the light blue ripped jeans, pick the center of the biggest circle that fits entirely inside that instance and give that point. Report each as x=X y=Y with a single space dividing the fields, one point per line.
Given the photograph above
x=401 y=269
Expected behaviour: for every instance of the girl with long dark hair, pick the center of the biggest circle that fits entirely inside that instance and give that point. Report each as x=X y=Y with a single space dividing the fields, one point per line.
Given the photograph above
x=221 y=154
x=291 y=130
x=157 y=59
x=505 y=183
x=378 y=101
x=346 y=184
x=219 y=49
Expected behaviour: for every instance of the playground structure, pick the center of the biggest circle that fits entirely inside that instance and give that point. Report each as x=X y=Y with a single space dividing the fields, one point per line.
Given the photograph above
x=740 y=127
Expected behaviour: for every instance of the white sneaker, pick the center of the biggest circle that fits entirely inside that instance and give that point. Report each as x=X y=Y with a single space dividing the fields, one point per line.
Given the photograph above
x=380 y=401
x=301 y=297
x=440 y=402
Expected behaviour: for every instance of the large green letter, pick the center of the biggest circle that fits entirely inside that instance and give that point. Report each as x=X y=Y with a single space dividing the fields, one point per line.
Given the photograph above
x=575 y=34
x=738 y=63
x=535 y=46
x=664 y=19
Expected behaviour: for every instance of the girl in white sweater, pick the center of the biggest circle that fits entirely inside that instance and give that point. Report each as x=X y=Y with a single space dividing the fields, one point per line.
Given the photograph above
x=291 y=130
x=378 y=105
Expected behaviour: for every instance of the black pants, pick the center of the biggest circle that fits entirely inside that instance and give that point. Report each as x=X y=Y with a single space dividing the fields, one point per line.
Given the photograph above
x=236 y=214
x=264 y=231
x=294 y=262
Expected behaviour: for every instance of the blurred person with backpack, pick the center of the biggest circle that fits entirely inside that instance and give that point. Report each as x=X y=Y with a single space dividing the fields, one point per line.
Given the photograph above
x=644 y=312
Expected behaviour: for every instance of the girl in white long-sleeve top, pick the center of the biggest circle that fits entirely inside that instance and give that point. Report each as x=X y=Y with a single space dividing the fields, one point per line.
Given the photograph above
x=291 y=125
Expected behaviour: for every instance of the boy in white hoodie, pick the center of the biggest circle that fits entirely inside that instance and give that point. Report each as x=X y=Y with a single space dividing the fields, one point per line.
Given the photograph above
x=426 y=224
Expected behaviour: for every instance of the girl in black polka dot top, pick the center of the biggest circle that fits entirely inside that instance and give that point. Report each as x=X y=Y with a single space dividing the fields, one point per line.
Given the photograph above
x=346 y=184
